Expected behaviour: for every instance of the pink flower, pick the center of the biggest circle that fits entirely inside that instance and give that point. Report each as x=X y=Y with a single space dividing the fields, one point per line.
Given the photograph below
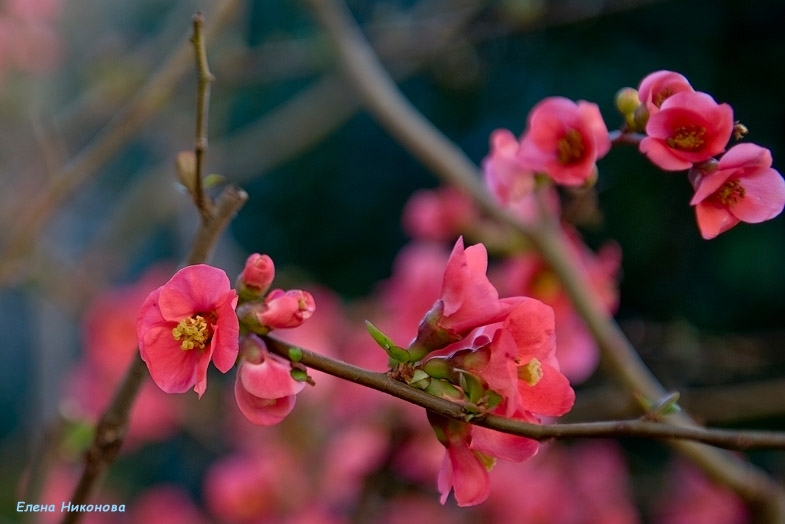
x=505 y=175
x=659 y=86
x=286 y=309
x=438 y=214
x=257 y=275
x=462 y=470
x=468 y=300
x=264 y=389
x=689 y=128
x=742 y=186
x=564 y=139
x=185 y=324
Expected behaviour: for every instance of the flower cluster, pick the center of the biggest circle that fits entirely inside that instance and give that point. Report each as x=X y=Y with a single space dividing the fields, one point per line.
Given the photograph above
x=195 y=319
x=686 y=130
x=493 y=355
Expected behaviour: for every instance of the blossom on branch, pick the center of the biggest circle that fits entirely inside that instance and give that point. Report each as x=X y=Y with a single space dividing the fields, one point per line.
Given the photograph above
x=564 y=140
x=657 y=87
x=741 y=186
x=185 y=324
x=264 y=389
x=689 y=128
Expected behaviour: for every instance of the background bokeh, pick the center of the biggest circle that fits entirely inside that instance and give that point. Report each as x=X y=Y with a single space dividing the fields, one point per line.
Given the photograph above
x=327 y=184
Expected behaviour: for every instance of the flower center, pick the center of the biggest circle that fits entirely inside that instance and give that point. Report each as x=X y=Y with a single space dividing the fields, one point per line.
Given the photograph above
x=570 y=148
x=192 y=332
x=687 y=138
x=531 y=373
x=730 y=193
x=660 y=97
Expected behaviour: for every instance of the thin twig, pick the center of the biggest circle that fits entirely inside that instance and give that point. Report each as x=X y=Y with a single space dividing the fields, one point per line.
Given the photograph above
x=383 y=382
x=203 y=78
x=426 y=143
x=128 y=120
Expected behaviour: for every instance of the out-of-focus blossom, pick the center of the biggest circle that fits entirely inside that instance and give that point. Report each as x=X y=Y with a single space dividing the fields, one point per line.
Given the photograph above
x=564 y=140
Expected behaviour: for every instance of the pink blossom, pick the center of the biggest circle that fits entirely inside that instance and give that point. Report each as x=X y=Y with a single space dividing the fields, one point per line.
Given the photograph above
x=468 y=300
x=742 y=186
x=264 y=389
x=438 y=214
x=286 y=309
x=564 y=139
x=659 y=86
x=257 y=275
x=462 y=470
x=166 y=504
x=689 y=128
x=185 y=324
x=505 y=175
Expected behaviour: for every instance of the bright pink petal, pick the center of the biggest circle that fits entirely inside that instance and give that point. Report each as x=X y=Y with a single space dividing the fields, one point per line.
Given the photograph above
x=551 y=395
x=764 y=197
x=708 y=184
x=193 y=289
x=462 y=471
x=226 y=334
x=532 y=326
x=662 y=156
x=262 y=411
x=713 y=219
x=503 y=445
x=269 y=379
x=172 y=369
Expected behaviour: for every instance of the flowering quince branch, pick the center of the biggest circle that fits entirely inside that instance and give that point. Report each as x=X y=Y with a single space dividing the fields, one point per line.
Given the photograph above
x=681 y=137
x=384 y=382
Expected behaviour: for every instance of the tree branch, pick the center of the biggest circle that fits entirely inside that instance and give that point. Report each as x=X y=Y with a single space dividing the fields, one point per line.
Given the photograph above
x=204 y=78
x=426 y=143
x=738 y=440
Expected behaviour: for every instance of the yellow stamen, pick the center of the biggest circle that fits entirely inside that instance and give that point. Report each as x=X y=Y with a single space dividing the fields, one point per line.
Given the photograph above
x=730 y=192
x=687 y=138
x=194 y=332
x=570 y=148
x=531 y=373
x=660 y=97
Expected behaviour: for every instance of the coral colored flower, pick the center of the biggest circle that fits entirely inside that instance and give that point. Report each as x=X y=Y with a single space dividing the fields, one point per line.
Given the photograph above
x=264 y=389
x=659 y=86
x=438 y=214
x=286 y=309
x=462 y=470
x=505 y=175
x=185 y=324
x=742 y=186
x=689 y=128
x=468 y=300
x=564 y=139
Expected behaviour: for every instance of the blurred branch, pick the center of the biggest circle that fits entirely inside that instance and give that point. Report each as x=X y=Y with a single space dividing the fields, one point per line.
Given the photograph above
x=622 y=428
x=435 y=151
x=145 y=104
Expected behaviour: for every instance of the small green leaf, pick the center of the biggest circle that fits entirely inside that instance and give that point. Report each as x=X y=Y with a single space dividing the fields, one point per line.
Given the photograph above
x=300 y=375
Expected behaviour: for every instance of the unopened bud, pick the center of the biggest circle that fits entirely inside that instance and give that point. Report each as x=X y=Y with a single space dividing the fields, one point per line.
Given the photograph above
x=627 y=100
x=256 y=277
x=185 y=167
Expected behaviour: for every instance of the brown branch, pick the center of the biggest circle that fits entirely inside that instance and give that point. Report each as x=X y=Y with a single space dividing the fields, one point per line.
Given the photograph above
x=738 y=440
x=428 y=145
x=204 y=78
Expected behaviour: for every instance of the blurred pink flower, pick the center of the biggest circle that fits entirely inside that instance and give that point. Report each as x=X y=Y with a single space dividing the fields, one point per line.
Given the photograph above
x=689 y=128
x=438 y=214
x=165 y=504
x=742 y=186
x=564 y=140
x=691 y=498
x=185 y=324
x=659 y=86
